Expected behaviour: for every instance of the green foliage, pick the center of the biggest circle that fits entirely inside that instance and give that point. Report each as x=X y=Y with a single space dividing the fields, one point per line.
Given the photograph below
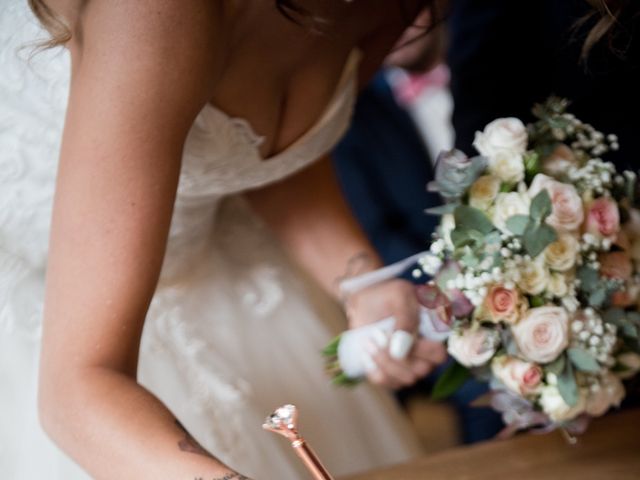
x=536 y=301
x=594 y=289
x=536 y=234
x=450 y=381
x=583 y=360
x=469 y=218
x=537 y=238
x=567 y=385
x=331 y=350
x=518 y=224
x=557 y=366
x=442 y=209
x=531 y=164
x=540 y=206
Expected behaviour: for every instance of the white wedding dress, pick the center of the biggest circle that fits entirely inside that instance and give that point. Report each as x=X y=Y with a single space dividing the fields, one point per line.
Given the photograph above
x=233 y=331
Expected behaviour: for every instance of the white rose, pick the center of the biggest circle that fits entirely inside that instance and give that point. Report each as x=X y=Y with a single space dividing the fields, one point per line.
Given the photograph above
x=507 y=205
x=561 y=255
x=447 y=225
x=558 y=285
x=473 y=347
x=502 y=134
x=630 y=361
x=534 y=277
x=555 y=407
x=608 y=393
x=483 y=191
x=542 y=333
x=507 y=165
x=522 y=378
x=567 y=213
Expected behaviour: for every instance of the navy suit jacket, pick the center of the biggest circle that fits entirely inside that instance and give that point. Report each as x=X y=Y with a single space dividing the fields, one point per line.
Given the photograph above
x=383 y=168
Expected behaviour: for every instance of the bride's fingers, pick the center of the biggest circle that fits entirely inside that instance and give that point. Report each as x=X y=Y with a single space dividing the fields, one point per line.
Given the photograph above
x=433 y=352
x=421 y=368
x=394 y=370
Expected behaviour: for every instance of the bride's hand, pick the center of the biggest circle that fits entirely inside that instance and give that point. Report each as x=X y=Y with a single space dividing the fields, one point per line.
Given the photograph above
x=402 y=358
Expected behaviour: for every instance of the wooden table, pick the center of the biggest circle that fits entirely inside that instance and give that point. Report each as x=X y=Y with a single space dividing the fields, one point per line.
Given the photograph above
x=609 y=450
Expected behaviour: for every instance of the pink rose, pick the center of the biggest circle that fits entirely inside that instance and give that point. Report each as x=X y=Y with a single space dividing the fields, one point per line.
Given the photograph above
x=522 y=378
x=616 y=265
x=567 y=212
x=603 y=219
x=473 y=347
x=501 y=304
x=542 y=333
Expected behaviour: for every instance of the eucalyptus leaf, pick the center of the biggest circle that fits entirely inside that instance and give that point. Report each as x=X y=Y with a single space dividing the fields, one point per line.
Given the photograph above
x=615 y=316
x=517 y=224
x=460 y=237
x=583 y=360
x=597 y=297
x=472 y=219
x=630 y=330
x=557 y=366
x=567 y=386
x=540 y=206
x=537 y=239
x=589 y=279
x=442 y=209
x=450 y=381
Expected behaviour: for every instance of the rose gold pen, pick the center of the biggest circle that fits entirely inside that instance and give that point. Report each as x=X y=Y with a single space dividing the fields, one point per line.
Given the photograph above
x=284 y=421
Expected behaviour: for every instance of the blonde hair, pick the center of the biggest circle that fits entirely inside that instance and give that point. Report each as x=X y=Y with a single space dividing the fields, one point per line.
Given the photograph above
x=609 y=11
x=59 y=31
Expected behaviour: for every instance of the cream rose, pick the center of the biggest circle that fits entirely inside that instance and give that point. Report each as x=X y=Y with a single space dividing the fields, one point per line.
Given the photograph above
x=561 y=255
x=522 y=378
x=558 y=285
x=555 y=407
x=608 y=393
x=502 y=134
x=603 y=218
x=507 y=205
x=484 y=191
x=473 y=347
x=534 y=277
x=501 y=305
x=507 y=165
x=567 y=213
x=560 y=161
x=542 y=333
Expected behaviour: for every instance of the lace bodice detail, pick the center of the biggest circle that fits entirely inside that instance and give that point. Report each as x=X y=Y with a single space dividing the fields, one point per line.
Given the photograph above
x=221 y=155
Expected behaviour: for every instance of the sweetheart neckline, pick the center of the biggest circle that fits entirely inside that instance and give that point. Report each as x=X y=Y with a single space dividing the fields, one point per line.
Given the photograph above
x=255 y=139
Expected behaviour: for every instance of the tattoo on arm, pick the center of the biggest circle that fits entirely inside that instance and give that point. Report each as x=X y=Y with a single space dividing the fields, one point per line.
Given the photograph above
x=189 y=444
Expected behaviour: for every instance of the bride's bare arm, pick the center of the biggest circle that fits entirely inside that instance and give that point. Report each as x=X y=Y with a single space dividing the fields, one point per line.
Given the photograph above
x=141 y=71
x=309 y=215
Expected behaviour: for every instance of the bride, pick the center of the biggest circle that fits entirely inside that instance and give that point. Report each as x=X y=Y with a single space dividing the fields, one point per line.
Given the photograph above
x=195 y=216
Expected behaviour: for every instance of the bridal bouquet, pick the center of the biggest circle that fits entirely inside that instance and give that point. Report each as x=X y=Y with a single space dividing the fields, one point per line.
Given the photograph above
x=535 y=269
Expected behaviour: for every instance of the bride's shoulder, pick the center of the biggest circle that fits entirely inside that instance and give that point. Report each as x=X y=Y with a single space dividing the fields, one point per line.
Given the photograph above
x=140 y=21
